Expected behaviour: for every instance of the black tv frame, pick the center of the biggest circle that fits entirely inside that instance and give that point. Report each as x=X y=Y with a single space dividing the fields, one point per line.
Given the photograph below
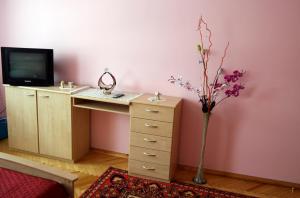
x=49 y=81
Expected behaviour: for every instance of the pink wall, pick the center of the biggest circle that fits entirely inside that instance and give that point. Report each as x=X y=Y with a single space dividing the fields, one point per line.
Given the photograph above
x=144 y=42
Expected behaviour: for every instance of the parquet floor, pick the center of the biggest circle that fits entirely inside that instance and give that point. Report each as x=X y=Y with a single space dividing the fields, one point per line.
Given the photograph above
x=96 y=162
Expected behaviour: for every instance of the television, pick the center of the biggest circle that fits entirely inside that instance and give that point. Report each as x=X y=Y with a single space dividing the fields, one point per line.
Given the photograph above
x=27 y=66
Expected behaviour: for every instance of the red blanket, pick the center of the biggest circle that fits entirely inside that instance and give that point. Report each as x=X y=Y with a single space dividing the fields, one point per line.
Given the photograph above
x=19 y=185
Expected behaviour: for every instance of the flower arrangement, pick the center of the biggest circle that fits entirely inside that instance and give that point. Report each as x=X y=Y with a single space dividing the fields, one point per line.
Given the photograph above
x=212 y=93
x=219 y=91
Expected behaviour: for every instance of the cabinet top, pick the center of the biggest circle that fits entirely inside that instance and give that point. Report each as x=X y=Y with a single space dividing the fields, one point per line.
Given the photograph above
x=166 y=101
x=55 y=89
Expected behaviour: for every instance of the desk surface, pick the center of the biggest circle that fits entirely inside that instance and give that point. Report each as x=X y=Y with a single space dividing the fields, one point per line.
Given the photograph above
x=94 y=99
x=97 y=95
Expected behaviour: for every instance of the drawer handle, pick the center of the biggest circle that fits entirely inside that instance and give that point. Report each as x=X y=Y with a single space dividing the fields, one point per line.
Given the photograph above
x=149 y=140
x=149 y=154
x=45 y=96
x=148 y=168
x=150 y=125
x=152 y=111
x=30 y=95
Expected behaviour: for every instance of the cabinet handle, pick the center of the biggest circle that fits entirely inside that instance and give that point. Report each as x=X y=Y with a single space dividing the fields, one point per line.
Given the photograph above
x=45 y=96
x=148 y=140
x=30 y=95
x=148 y=168
x=151 y=111
x=149 y=154
x=150 y=125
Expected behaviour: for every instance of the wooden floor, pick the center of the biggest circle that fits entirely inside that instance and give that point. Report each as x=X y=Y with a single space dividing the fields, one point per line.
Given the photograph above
x=96 y=162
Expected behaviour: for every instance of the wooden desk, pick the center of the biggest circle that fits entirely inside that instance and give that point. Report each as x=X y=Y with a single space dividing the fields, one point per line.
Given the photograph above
x=154 y=129
x=56 y=123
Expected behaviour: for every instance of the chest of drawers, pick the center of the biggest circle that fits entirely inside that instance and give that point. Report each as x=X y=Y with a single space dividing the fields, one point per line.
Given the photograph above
x=154 y=136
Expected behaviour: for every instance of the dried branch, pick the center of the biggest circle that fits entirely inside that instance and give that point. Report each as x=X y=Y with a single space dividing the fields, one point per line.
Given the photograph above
x=219 y=71
x=205 y=57
x=202 y=53
x=224 y=55
x=209 y=40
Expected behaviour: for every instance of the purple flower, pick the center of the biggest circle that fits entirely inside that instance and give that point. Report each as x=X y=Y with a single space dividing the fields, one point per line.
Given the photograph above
x=236 y=93
x=237 y=73
x=234 y=78
x=228 y=93
x=227 y=78
x=238 y=87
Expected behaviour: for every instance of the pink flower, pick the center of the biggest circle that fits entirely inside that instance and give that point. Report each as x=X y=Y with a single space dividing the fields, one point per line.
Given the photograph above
x=238 y=87
x=227 y=78
x=236 y=93
x=234 y=78
x=237 y=73
x=228 y=93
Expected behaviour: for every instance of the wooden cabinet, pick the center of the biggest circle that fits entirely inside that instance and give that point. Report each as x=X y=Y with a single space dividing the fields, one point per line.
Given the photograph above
x=154 y=136
x=22 y=120
x=54 y=115
x=42 y=120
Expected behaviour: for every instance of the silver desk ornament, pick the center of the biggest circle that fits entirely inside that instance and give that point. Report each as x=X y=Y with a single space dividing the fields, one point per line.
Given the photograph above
x=106 y=89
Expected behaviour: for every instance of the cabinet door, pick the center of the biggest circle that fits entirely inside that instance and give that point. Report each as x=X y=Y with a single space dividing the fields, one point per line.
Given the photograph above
x=54 y=115
x=22 y=118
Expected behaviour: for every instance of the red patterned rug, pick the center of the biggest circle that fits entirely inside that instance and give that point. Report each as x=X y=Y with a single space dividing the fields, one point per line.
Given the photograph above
x=117 y=183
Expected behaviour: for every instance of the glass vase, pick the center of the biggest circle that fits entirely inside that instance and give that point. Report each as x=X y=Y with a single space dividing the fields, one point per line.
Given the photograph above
x=199 y=178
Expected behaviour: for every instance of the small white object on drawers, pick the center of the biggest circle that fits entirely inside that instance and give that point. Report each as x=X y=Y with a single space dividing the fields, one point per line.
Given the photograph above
x=154 y=136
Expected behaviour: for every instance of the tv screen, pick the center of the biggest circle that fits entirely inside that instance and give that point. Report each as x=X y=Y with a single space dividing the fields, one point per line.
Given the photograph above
x=27 y=66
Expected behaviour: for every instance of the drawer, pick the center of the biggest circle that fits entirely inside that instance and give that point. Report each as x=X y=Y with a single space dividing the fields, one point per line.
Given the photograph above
x=150 y=141
x=149 y=155
x=152 y=112
x=151 y=127
x=148 y=169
